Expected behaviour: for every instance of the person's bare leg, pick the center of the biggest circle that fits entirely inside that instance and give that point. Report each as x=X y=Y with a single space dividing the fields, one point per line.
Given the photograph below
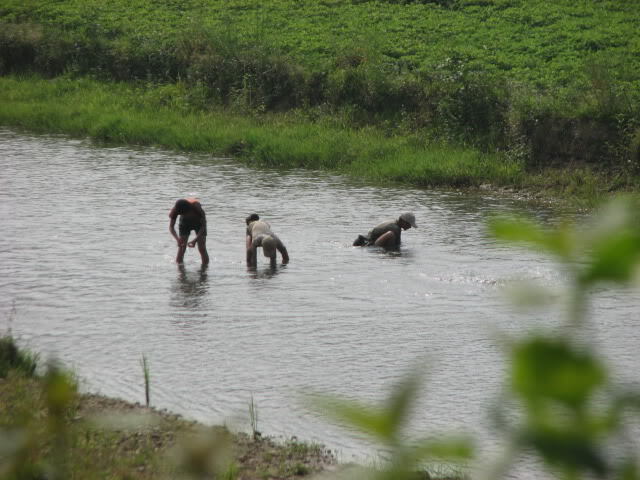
x=181 y=250
x=386 y=240
x=202 y=248
x=248 y=244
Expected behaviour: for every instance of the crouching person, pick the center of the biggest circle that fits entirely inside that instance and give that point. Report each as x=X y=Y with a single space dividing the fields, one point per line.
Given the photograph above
x=259 y=234
x=388 y=234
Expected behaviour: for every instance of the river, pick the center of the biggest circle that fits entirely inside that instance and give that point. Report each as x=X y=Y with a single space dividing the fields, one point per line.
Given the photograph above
x=88 y=277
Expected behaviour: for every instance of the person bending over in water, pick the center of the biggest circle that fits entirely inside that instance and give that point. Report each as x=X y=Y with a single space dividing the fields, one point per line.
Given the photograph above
x=192 y=217
x=259 y=234
x=387 y=234
x=249 y=220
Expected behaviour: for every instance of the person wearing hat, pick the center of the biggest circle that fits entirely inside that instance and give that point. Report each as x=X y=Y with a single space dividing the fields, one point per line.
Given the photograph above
x=387 y=234
x=192 y=217
x=259 y=234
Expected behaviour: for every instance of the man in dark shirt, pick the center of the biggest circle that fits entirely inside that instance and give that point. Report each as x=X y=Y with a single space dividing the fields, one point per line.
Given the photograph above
x=192 y=217
x=387 y=234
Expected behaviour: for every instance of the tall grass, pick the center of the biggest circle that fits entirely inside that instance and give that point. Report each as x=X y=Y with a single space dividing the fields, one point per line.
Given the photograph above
x=122 y=113
x=13 y=358
x=253 y=419
x=147 y=379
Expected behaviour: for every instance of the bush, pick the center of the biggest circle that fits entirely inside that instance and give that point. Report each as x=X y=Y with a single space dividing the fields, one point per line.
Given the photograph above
x=18 y=46
x=12 y=358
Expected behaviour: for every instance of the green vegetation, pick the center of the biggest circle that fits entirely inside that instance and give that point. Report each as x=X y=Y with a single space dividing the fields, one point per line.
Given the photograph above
x=386 y=424
x=120 y=112
x=144 y=363
x=542 y=45
x=253 y=419
x=12 y=358
x=160 y=115
x=573 y=413
x=49 y=430
x=542 y=84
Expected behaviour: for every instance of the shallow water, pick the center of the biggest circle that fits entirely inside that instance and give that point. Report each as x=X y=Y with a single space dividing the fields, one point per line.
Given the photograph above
x=88 y=277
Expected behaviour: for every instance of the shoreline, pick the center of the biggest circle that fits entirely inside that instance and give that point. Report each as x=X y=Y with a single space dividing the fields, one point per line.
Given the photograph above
x=88 y=435
x=117 y=113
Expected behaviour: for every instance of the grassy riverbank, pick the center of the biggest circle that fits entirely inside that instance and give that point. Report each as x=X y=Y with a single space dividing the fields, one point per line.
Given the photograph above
x=148 y=114
x=370 y=87
x=48 y=430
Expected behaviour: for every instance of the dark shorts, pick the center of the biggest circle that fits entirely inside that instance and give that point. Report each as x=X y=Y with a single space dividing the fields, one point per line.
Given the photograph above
x=185 y=226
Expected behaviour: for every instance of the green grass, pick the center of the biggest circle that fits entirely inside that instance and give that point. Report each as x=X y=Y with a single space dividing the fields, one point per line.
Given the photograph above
x=147 y=379
x=121 y=113
x=535 y=42
x=494 y=75
x=159 y=115
x=12 y=358
x=49 y=430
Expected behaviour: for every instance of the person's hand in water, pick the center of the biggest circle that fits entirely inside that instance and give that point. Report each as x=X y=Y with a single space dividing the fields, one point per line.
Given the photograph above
x=181 y=242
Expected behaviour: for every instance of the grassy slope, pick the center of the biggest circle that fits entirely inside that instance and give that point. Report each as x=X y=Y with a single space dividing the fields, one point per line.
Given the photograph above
x=581 y=55
x=151 y=115
x=121 y=113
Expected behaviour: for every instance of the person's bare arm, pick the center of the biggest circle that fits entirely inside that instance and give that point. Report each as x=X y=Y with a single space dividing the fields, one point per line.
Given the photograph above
x=283 y=251
x=173 y=216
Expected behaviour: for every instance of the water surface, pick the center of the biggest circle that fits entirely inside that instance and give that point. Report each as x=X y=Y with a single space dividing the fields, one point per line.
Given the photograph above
x=88 y=277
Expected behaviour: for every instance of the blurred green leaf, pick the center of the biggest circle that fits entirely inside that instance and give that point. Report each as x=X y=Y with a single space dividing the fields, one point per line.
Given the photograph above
x=530 y=294
x=612 y=243
x=370 y=420
x=569 y=451
x=559 y=242
x=206 y=453
x=60 y=390
x=383 y=422
x=630 y=399
x=406 y=460
x=552 y=369
x=402 y=397
x=517 y=230
x=614 y=258
x=455 y=449
x=629 y=471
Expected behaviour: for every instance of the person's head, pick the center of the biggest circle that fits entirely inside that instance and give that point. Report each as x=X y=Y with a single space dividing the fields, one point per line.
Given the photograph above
x=182 y=206
x=254 y=217
x=269 y=246
x=407 y=220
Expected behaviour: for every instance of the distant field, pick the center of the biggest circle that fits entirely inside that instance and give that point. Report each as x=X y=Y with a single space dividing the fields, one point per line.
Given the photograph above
x=537 y=42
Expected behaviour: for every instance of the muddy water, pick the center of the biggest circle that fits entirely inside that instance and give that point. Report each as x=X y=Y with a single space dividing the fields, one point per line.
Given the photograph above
x=88 y=277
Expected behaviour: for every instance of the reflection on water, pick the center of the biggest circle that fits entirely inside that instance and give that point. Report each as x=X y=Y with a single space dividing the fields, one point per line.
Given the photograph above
x=266 y=271
x=395 y=252
x=190 y=287
x=335 y=319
